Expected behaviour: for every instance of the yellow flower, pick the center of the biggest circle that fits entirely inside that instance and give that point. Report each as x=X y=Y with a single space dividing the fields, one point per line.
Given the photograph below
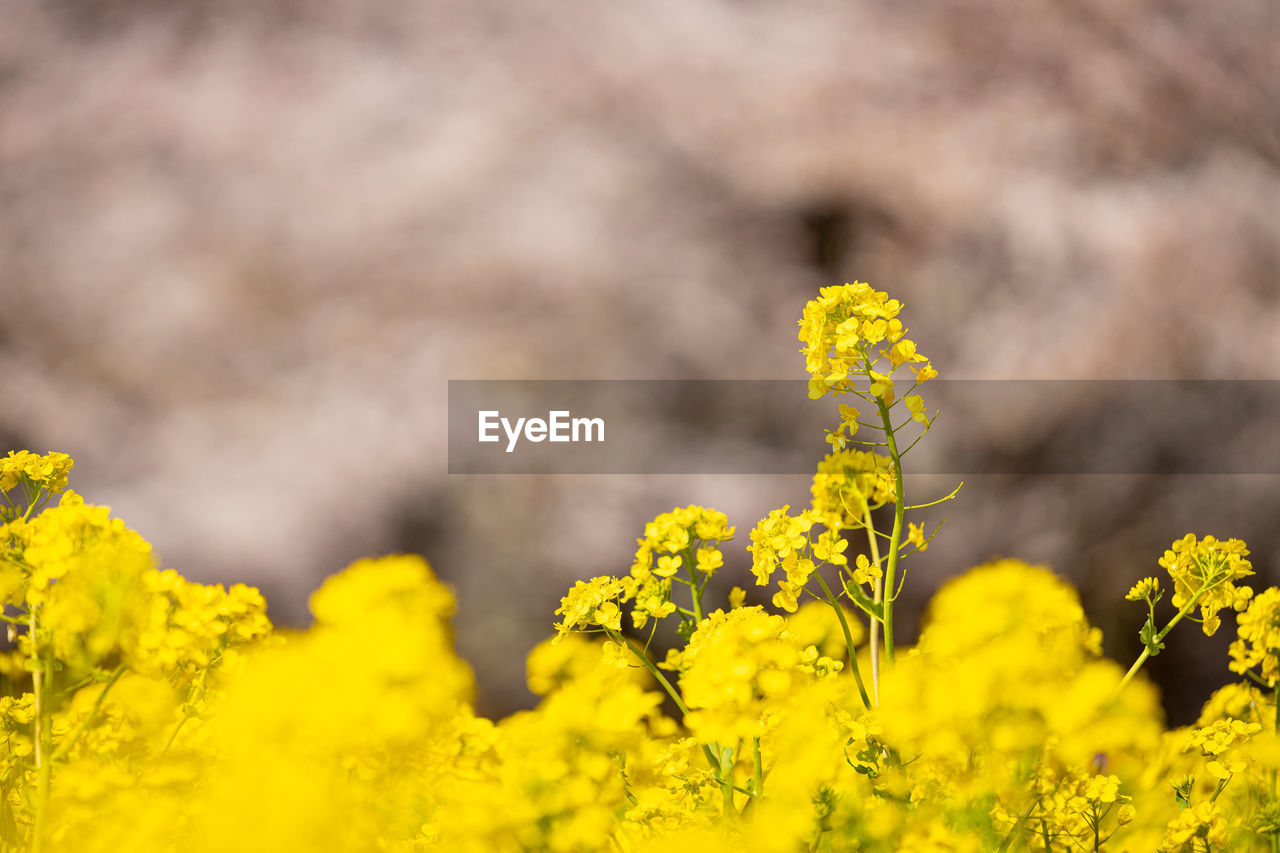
x=47 y=473
x=708 y=560
x=651 y=599
x=1102 y=789
x=924 y=374
x=736 y=665
x=864 y=571
x=1220 y=736
x=1143 y=589
x=1200 y=827
x=590 y=603
x=919 y=413
x=815 y=624
x=882 y=387
x=845 y=332
x=903 y=352
x=776 y=537
x=915 y=536
x=830 y=548
x=667 y=566
x=846 y=479
x=1205 y=571
x=1258 y=643
x=798 y=570
x=694 y=532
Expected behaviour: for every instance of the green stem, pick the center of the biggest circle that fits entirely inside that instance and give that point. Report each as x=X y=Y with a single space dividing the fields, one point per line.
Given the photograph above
x=725 y=778
x=671 y=691
x=1178 y=616
x=954 y=492
x=67 y=745
x=896 y=536
x=649 y=665
x=1013 y=830
x=1275 y=839
x=848 y=639
x=39 y=680
x=878 y=598
x=695 y=591
x=174 y=735
x=1128 y=676
x=757 y=779
x=1146 y=652
x=32 y=503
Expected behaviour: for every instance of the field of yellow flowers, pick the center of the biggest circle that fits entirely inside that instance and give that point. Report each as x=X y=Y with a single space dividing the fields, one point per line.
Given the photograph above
x=141 y=711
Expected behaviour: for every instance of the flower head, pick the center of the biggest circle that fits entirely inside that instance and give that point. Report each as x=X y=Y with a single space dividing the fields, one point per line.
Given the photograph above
x=1205 y=571
x=591 y=603
x=1258 y=629
x=845 y=480
x=846 y=331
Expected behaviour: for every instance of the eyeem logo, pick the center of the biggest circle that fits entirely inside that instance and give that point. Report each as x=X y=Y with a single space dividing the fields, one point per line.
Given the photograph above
x=559 y=426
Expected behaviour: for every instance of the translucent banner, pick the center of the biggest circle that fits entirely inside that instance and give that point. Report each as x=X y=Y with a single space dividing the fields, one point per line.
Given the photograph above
x=1008 y=427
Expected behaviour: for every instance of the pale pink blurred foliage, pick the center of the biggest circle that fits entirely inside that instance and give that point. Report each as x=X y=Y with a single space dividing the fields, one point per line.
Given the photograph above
x=243 y=245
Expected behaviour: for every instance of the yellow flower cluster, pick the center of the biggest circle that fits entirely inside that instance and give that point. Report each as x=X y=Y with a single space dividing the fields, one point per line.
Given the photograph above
x=592 y=602
x=782 y=540
x=814 y=624
x=693 y=529
x=1196 y=829
x=1073 y=811
x=65 y=537
x=735 y=667
x=688 y=538
x=1217 y=741
x=1144 y=590
x=848 y=483
x=158 y=714
x=141 y=711
x=1204 y=571
x=324 y=740
x=558 y=777
x=1258 y=644
x=1025 y=694
x=779 y=538
x=101 y=601
x=37 y=473
x=846 y=331
x=189 y=626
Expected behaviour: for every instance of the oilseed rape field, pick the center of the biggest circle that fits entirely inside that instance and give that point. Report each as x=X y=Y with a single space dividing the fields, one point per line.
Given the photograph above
x=142 y=711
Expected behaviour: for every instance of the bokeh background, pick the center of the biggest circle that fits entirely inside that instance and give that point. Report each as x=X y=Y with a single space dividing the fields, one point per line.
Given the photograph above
x=243 y=245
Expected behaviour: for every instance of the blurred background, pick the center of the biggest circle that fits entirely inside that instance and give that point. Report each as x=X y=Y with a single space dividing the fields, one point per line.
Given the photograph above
x=244 y=245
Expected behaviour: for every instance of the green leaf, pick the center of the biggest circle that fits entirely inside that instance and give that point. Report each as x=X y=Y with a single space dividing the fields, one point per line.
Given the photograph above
x=1148 y=636
x=1182 y=791
x=860 y=598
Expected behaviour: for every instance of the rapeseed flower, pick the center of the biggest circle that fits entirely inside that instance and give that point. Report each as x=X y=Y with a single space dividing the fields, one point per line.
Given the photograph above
x=140 y=710
x=1204 y=571
x=1258 y=645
